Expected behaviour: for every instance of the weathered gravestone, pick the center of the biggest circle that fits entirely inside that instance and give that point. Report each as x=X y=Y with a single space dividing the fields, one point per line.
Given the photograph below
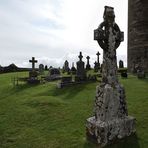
x=65 y=81
x=124 y=74
x=88 y=65
x=66 y=67
x=96 y=67
x=54 y=74
x=81 y=73
x=46 y=67
x=121 y=64
x=73 y=69
x=111 y=121
x=33 y=74
x=41 y=69
x=98 y=60
x=101 y=67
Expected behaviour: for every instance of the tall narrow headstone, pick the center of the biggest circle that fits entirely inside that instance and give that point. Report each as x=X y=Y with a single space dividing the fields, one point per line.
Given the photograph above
x=88 y=65
x=121 y=64
x=110 y=121
x=96 y=67
x=41 y=69
x=73 y=69
x=81 y=74
x=97 y=64
x=98 y=60
x=66 y=66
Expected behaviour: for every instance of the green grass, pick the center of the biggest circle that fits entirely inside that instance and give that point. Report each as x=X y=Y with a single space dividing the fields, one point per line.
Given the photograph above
x=44 y=116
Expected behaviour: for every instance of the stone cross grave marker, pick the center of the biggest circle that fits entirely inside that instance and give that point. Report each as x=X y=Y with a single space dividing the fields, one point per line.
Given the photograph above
x=81 y=74
x=33 y=61
x=88 y=65
x=110 y=121
x=98 y=54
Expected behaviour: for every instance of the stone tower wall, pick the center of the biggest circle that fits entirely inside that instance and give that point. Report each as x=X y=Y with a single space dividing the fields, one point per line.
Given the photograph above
x=137 y=34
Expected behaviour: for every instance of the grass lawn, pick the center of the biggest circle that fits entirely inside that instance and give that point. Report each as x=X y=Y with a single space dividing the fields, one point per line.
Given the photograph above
x=44 y=116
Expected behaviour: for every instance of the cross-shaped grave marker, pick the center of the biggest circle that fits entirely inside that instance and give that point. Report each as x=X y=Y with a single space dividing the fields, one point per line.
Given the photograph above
x=80 y=56
x=33 y=61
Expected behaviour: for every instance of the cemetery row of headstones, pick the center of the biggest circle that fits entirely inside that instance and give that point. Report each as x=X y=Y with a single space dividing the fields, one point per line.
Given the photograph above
x=88 y=66
x=80 y=76
x=55 y=74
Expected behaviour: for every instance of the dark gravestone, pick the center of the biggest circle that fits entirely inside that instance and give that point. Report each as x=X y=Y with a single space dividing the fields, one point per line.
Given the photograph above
x=41 y=69
x=66 y=67
x=121 y=64
x=65 y=81
x=73 y=69
x=46 y=67
x=101 y=67
x=54 y=71
x=98 y=60
x=81 y=73
x=110 y=121
x=124 y=74
x=88 y=65
x=96 y=67
x=54 y=74
x=97 y=64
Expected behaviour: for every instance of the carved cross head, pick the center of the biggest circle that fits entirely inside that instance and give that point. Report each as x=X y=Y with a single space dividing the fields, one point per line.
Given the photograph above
x=101 y=34
x=109 y=16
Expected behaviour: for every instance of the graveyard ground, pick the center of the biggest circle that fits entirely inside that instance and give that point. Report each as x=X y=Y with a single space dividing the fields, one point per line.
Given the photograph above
x=44 y=116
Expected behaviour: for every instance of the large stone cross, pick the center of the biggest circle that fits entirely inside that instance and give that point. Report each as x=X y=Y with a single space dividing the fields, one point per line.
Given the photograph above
x=101 y=34
x=109 y=37
x=110 y=121
x=33 y=61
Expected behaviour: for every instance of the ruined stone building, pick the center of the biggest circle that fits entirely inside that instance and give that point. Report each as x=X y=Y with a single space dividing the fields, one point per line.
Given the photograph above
x=137 y=35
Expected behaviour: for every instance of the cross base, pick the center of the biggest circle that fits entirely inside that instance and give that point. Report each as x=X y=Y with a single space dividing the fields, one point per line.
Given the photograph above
x=105 y=133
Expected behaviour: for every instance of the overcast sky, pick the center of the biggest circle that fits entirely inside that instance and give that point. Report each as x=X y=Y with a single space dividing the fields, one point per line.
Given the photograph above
x=55 y=30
